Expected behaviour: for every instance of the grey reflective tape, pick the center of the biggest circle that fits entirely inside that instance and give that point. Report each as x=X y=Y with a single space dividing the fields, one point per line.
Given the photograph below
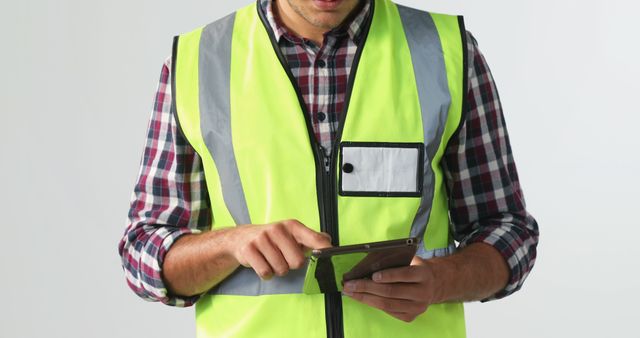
x=442 y=252
x=433 y=92
x=245 y=282
x=215 y=112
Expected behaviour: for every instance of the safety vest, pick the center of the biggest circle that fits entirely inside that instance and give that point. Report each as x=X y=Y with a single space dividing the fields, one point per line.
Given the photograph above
x=238 y=105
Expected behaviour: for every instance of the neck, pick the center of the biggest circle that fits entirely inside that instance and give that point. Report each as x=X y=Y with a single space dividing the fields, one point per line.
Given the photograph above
x=297 y=24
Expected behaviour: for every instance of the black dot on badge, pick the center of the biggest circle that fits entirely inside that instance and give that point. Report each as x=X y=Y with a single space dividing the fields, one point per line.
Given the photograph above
x=347 y=168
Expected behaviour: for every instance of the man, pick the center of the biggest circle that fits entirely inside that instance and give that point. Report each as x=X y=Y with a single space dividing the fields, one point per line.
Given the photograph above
x=301 y=124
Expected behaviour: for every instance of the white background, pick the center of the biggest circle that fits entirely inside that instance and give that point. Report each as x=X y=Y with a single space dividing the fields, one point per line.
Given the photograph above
x=78 y=79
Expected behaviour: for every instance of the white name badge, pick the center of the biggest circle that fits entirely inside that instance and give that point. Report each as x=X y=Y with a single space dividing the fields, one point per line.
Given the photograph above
x=381 y=169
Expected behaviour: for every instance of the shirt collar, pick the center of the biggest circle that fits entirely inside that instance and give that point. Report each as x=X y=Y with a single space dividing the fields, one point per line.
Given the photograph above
x=353 y=25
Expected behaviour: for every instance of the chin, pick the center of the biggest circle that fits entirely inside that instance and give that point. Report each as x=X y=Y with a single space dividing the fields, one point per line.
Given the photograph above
x=327 y=21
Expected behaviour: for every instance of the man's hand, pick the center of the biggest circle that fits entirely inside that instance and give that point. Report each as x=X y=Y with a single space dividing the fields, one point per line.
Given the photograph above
x=403 y=293
x=198 y=262
x=475 y=272
x=276 y=248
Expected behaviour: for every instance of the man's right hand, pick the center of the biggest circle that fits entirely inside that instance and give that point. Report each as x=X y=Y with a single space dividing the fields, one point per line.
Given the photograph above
x=197 y=262
x=276 y=248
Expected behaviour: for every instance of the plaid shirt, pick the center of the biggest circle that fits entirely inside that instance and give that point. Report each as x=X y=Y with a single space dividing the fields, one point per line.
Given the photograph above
x=485 y=200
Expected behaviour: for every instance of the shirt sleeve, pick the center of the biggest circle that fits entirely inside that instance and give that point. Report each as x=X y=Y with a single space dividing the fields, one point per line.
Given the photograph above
x=169 y=200
x=485 y=199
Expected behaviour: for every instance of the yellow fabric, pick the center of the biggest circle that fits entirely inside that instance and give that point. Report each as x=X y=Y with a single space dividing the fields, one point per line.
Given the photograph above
x=272 y=316
x=270 y=138
x=276 y=165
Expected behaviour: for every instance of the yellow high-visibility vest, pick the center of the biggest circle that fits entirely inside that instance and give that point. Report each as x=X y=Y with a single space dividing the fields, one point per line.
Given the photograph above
x=238 y=105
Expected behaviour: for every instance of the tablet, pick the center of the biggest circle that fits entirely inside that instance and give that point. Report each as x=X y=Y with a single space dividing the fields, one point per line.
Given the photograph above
x=329 y=268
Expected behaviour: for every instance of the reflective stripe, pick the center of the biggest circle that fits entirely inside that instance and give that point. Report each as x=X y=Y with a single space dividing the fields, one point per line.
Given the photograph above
x=433 y=92
x=215 y=112
x=245 y=282
x=452 y=38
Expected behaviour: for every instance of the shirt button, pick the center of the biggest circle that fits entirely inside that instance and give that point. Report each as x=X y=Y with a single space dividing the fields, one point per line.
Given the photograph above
x=321 y=116
x=321 y=63
x=347 y=168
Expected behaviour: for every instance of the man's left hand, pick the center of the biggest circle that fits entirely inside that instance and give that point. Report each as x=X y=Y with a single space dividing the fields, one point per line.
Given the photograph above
x=403 y=293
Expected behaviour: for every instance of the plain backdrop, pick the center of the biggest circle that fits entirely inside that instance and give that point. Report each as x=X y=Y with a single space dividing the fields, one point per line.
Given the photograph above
x=78 y=80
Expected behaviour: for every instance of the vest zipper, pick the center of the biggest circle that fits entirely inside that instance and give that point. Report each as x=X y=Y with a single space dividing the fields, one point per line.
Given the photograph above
x=333 y=300
x=325 y=181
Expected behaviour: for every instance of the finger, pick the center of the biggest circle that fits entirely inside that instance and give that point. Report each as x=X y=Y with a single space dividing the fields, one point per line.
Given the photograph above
x=386 y=304
x=289 y=248
x=417 y=260
x=403 y=316
x=255 y=259
x=389 y=290
x=307 y=237
x=272 y=255
x=405 y=274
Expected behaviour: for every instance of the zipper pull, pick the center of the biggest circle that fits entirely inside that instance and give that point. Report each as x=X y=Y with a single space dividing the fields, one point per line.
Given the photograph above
x=325 y=159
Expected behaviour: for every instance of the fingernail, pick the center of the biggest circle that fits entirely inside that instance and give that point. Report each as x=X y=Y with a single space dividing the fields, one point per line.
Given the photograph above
x=347 y=293
x=377 y=276
x=349 y=286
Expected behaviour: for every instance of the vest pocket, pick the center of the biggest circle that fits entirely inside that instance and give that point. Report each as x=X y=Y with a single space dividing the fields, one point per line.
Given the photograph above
x=381 y=169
